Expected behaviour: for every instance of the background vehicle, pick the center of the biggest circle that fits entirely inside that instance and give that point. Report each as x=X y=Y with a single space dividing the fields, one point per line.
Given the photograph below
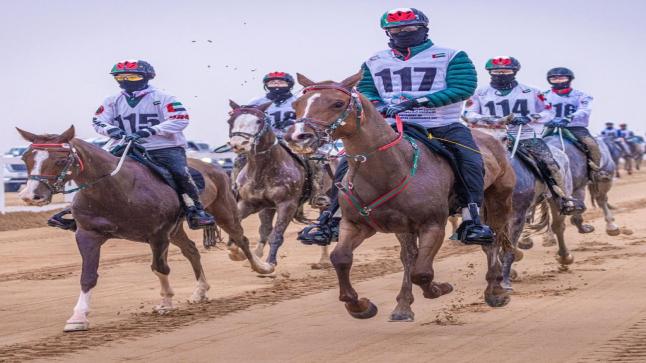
x=15 y=172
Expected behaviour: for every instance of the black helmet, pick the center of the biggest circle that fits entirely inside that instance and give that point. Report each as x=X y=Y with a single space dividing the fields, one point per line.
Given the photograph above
x=560 y=71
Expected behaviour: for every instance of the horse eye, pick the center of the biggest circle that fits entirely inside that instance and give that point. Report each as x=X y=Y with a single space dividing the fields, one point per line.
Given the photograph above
x=339 y=104
x=257 y=122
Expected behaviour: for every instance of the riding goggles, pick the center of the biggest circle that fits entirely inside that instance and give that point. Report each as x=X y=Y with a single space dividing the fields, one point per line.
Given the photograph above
x=128 y=77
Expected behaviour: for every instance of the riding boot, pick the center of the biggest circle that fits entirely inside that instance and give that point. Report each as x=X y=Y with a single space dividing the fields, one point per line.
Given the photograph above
x=594 y=152
x=472 y=231
x=318 y=198
x=323 y=232
x=197 y=217
x=58 y=221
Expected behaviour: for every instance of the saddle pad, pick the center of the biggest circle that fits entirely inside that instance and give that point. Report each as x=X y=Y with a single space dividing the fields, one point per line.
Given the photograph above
x=138 y=153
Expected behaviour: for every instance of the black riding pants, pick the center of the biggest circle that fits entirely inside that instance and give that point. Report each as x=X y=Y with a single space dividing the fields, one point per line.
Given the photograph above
x=469 y=160
x=174 y=159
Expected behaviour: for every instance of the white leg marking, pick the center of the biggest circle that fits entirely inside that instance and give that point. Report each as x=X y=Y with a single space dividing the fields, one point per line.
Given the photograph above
x=166 y=293
x=199 y=295
x=40 y=156
x=78 y=320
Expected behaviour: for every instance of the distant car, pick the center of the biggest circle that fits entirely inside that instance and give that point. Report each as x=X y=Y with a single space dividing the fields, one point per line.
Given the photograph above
x=15 y=172
x=197 y=146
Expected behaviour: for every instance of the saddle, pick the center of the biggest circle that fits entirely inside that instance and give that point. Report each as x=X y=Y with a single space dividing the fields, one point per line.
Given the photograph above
x=420 y=134
x=138 y=153
x=567 y=135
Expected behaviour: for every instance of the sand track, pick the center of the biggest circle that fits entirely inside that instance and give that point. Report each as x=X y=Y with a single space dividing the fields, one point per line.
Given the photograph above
x=594 y=311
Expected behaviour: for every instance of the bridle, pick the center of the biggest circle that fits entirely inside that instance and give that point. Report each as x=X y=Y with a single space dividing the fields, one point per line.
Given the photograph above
x=56 y=183
x=323 y=130
x=262 y=130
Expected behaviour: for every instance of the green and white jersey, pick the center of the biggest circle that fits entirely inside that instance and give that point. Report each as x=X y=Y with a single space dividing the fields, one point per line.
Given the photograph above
x=399 y=80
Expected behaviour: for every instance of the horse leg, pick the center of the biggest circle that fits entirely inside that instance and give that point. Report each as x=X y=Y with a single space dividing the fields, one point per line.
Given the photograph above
x=285 y=212
x=324 y=260
x=190 y=251
x=350 y=237
x=408 y=254
x=228 y=218
x=159 y=247
x=577 y=218
x=601 y=196
x=89 y=245
x=430 y=241
x=497 y=212
x=454 y=220
x=563 y=256
x=516 y=229
x=266 y=226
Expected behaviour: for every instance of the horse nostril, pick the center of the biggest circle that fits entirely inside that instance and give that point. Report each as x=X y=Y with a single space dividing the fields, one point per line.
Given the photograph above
x=38 y=197
x=304 y=136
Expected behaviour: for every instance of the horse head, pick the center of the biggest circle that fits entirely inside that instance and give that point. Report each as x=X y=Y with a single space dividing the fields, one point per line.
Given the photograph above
x=51 y=161
x=247 y=126
x=326 y=111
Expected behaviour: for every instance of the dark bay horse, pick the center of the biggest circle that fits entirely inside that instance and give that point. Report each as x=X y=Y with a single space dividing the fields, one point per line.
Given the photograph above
x=132 y=204
x=272 y=182
x=411 y=186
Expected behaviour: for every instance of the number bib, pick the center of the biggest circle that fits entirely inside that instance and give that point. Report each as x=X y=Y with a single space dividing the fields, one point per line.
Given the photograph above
x=281 y=114
x=567 y=105
x=521 y=101
x=398 y=80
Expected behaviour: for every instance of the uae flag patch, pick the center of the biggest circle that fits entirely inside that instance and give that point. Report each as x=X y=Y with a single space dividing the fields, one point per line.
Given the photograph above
x=175 y=107
x=439 y=55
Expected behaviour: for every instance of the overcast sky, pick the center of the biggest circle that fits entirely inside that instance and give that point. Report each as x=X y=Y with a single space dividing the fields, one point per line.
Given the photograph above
x=56 y=54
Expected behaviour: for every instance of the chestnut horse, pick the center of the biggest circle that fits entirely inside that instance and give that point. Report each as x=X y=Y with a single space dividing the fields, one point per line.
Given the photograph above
x=411 y=187
x=132 y=204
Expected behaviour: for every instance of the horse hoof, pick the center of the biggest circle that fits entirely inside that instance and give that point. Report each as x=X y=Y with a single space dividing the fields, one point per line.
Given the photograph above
x=565 y=260
x=498 y=300
x=368 y=312
x=264 y=268
x=518 y=255
x=507 y=286
x=76 y=326
x=402 y=317
x=435 y=290
x=198 y=299
x=626 y=231
x=163 y=309
x=236 y=255
x=586 y=228
x=525 y=243
x=321 y=266
x=613 y=232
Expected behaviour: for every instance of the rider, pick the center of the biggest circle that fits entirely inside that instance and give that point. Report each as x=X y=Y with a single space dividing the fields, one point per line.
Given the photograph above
x=610 y=130
x=505 y=96
x=142 y=112
x=616 y=136
x=624 y=132
x=281 y=114
x=425 y=84
x=572 y=108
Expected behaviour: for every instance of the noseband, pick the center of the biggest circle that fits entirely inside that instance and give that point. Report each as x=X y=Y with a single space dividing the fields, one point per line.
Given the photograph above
x=255 y=138
x=56 y=183
x=324 y=130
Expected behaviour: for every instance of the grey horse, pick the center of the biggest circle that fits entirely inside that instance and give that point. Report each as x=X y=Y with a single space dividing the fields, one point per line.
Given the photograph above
x=529 y=192
x=617 y=150
x=599 y=186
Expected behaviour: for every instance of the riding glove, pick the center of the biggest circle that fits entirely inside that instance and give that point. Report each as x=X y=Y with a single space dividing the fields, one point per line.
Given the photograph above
x=116 y=133
x=393 y=110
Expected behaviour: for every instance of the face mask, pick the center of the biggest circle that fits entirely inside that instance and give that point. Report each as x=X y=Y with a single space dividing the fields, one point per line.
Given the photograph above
x=562 y=85
x=503 y=81
x=132 y=86
x=278 y=93
x=405 y=40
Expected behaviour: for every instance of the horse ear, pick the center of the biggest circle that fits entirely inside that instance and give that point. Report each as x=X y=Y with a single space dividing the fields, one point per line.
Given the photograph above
x=233 y=105
x=304 y=81
x=352 y=80
x=67 y=135
x=26 y=135
x=264 y=106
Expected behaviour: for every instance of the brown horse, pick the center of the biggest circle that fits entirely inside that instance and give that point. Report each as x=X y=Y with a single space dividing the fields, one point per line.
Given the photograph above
x=380 y=162
x=271 y=183
x=133 y=204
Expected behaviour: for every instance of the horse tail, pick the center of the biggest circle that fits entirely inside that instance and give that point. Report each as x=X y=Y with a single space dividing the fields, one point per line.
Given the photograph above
x=593 y=188
x=540 y=222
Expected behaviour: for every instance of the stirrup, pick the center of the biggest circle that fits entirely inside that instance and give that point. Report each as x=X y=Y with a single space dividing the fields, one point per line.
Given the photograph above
x=321 y=236
x=471 y=233
x=198 y=218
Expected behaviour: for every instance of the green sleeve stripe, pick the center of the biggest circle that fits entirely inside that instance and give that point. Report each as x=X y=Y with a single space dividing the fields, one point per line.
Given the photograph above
x=367 y=85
